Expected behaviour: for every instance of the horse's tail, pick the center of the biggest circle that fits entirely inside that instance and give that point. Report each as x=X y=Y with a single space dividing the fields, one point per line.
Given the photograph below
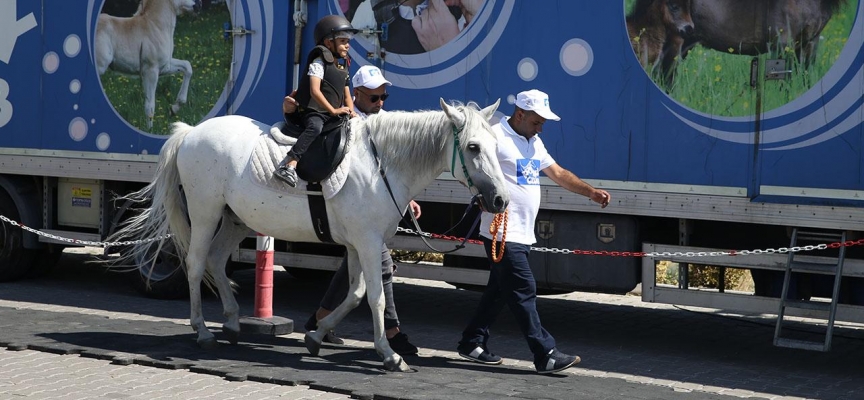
x=165 y=215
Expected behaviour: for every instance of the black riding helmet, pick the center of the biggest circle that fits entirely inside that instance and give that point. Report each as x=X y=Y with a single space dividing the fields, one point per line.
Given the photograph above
x=330 y=25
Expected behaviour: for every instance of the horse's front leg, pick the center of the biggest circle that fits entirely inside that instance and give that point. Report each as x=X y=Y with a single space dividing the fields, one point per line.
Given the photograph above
x=375 y=297
x=356 y=289
x=185 y=67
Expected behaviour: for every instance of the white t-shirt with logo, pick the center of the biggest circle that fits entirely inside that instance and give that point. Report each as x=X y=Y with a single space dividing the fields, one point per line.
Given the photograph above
x=521 y=162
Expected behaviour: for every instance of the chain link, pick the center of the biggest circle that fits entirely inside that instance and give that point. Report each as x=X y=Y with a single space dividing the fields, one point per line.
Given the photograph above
x=82 y=242
x=665 y=254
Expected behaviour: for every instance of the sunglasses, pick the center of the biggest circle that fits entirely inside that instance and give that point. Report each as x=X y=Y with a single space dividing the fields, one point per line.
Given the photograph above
x=374 y=98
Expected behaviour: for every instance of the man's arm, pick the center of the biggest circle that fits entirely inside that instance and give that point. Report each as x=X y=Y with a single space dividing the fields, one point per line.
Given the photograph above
x=571 y=182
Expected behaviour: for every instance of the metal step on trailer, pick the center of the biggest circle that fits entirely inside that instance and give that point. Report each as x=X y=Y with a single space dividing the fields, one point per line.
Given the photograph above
x=737 y=302
x=800 y=237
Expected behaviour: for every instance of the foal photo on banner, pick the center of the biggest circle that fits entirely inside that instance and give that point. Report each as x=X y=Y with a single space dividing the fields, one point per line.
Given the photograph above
x=183 y=71
x=700 y=51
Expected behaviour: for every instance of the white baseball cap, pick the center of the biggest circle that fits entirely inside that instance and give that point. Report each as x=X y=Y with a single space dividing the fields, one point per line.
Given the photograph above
x=537 y=101
x=370 y=77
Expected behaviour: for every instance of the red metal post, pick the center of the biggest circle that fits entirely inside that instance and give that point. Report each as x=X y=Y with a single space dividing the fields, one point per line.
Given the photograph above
x=264 y=277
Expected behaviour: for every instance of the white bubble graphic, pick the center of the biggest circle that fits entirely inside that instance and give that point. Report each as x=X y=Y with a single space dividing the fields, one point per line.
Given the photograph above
x=103 y=141
x=145 y=152
x=576 y=57
x=511 y=99
x=50 y=62
x=75 y=86
x=78 y=129
x=75 y=107
x=71 y=46
x=527 y=69
x=93 y=121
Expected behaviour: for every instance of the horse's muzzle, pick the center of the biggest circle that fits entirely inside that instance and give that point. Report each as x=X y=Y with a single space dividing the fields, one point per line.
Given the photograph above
x=498 y=204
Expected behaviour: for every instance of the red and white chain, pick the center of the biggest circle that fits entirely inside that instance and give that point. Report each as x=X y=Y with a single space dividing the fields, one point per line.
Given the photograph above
x=664 y=254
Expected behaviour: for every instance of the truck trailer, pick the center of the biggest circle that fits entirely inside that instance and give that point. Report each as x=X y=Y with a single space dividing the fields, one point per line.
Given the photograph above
x=732 y=150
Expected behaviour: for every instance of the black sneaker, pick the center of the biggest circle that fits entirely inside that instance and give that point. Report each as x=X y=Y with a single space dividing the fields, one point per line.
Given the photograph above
x=401 y=345
x=330 y=337
x=287 y=174
x=555 y=361
x=478 y=354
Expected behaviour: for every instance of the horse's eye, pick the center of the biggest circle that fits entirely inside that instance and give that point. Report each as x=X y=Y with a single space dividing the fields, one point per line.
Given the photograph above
x=473 y=147
x=674 y=7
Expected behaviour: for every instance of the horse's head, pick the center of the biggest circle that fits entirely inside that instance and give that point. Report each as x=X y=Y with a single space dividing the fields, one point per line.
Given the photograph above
x=475 y=159
x=676 y=15
x=186 y=6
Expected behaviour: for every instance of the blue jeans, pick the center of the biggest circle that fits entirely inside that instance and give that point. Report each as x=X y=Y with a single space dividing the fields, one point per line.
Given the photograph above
x=338 y=290
x=511 y=282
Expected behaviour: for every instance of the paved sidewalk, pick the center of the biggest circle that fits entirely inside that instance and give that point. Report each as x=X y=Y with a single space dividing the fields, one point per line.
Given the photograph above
x=629 y=349
x=29 y=374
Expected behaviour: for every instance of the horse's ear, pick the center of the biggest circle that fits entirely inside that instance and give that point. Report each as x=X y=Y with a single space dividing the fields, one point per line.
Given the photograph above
x=457 y=117
x=488 y=112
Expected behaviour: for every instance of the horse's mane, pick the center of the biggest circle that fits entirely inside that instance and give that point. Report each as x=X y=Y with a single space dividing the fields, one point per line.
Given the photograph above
x=148 y=5
x=415 y=139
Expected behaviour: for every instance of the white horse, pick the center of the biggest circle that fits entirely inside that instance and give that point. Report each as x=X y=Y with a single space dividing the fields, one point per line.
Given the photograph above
x=144 y=45
x=211 y=162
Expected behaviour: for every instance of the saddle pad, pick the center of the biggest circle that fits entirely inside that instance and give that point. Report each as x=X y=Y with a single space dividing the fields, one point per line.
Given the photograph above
x=267 y=155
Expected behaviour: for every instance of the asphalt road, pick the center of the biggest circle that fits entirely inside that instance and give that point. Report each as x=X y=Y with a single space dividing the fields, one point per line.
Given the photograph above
x=629 y=349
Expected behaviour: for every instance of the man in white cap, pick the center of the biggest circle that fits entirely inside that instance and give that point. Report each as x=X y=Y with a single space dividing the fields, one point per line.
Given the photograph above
x=370 y=91
x=522 y=156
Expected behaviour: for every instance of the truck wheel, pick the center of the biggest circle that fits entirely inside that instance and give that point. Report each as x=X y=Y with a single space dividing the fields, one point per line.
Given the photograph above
x=15 y=260
x=166 y=281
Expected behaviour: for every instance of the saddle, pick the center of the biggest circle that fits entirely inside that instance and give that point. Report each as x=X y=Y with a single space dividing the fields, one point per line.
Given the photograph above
x=325 y=153
x=321 y=159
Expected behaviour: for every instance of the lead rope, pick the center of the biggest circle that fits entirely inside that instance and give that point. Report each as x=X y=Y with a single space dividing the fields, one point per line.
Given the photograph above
x=499 y=219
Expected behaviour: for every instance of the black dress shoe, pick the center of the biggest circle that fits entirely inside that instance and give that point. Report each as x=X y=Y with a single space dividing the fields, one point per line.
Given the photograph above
x=401 y=345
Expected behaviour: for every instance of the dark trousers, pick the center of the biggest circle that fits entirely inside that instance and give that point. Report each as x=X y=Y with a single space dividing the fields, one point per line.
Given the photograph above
x=338 y=290
x=511 y=282
x=314 y=123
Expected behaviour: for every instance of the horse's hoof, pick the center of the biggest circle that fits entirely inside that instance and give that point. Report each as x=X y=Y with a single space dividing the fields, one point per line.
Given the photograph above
x=313 y=346
x=175 y=108
x=208 y=343
x=232 y=335
x=396 y=364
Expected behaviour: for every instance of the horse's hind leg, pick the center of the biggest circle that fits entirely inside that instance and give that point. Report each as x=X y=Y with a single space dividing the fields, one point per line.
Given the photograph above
x=229 y=235
x=204 y=219
x=186 y=68
x=149 y=79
